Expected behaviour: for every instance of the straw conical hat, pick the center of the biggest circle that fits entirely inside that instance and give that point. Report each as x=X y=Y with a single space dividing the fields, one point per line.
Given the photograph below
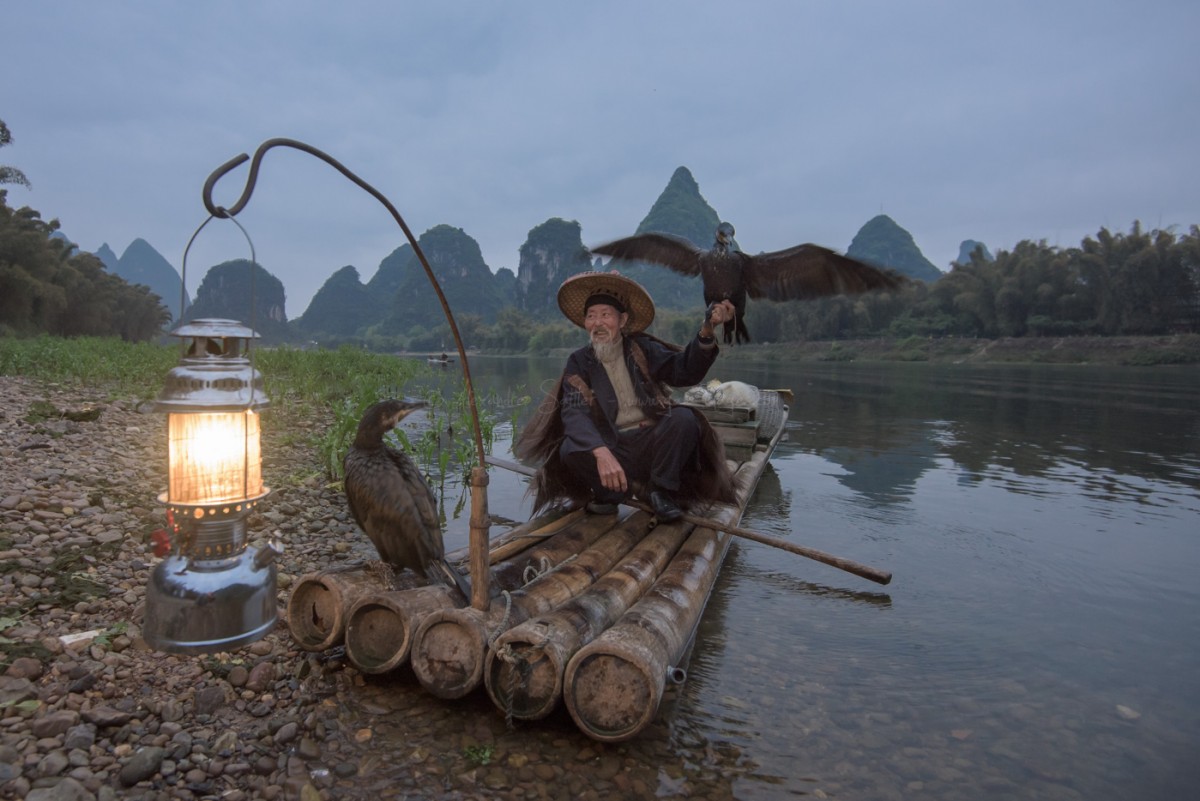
x=629 y=294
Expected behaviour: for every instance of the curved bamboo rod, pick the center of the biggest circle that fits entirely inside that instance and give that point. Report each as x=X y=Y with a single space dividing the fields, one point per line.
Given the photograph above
x=479 y=478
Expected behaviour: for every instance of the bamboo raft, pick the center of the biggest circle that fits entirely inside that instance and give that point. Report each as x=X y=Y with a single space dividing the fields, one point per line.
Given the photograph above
x=595 y=611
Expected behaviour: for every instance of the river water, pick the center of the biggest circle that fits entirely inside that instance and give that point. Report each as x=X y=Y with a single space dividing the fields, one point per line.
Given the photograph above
x=1041 y=636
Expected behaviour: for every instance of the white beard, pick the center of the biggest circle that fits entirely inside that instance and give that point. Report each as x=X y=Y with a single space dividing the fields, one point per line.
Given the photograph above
x=609 y=352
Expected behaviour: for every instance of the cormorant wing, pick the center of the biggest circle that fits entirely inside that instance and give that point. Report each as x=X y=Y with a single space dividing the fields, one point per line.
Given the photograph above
x=811 y=271
x=663 y=249
x=351 y=488
x=423 y=511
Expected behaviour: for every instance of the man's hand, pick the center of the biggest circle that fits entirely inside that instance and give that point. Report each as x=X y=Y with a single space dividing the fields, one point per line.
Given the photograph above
x=612 y=475
x=717 y=314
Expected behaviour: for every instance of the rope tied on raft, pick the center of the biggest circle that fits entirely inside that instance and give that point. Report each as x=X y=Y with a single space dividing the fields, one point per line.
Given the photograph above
x=516 y=677
x=502 y=626
x=544 y=568
x=532 y=572
x=521 y=668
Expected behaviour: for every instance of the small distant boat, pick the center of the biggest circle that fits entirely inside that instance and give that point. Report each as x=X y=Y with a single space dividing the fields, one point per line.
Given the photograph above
x=442 y=360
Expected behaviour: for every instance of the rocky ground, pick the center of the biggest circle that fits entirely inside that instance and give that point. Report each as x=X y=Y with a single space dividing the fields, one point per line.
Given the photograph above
x=88 y=711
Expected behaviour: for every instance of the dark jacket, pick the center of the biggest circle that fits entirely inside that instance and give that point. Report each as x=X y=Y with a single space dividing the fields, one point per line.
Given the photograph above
x=588 y=425
x=579 y=414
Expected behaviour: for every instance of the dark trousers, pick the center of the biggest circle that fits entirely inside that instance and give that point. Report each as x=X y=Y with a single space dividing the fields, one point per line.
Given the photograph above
x=654 y=455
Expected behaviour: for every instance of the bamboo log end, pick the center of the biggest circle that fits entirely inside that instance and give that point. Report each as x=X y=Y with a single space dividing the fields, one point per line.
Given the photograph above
x=318 y=606
x=448 y=652
x=314 y=615
x=378 y=637
x=380 y=628
x=612 y=696
x=524 y=679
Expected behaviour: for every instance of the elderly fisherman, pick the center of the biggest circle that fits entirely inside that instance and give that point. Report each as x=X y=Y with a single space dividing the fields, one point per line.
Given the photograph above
x=609 y=424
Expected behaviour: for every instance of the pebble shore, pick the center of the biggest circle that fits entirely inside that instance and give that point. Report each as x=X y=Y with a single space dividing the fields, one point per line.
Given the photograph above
x=88 y=711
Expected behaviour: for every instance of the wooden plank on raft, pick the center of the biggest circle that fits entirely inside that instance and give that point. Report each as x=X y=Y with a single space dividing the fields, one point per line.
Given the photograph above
x=521 y=536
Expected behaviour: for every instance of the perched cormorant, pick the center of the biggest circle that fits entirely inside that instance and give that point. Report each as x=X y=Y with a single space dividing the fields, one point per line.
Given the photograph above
x=390 y=500
x=802 y=272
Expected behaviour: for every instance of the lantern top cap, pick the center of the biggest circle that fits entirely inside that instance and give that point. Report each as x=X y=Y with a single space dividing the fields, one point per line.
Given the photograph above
x=215 y=327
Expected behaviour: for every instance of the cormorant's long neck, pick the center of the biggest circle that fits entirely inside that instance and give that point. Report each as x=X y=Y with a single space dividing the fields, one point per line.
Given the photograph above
x=368 y=439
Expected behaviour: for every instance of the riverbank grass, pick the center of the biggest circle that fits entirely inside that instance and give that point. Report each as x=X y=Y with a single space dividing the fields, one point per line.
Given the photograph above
x=344 y=382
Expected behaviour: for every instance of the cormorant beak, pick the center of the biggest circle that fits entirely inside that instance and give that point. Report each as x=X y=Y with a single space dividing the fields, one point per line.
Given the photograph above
x=407 y=407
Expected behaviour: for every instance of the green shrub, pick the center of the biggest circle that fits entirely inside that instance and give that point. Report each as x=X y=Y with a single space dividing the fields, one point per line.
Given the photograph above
x=1153 y=358
x=837 y=353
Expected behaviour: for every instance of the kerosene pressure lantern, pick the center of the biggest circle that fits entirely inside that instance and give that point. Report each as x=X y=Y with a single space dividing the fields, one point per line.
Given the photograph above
x=213 y=591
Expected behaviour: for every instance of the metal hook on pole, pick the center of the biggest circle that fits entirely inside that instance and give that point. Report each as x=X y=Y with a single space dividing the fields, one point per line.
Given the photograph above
x=479 y=478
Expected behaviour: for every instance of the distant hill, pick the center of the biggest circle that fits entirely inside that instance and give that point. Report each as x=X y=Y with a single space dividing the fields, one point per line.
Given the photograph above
x=681 y=211
x=884 y=243
x=107 y=258
x=552 y=252
x=344 y=307
x=465 y=279
x=507 y=287
x=226 y=292
x=339 y=307
x=142 y=264
x=397 y=268
x=399 y=301
x=74 y=249
x=968 y=247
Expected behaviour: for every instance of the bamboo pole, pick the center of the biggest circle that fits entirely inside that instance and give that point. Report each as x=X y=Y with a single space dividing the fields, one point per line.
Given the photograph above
x=479 y=523
x=841 y=563
x=524 y=669
x=574 y=537
x=613 y=685
x=320 y=605
x=382 y=625
x=480 y=576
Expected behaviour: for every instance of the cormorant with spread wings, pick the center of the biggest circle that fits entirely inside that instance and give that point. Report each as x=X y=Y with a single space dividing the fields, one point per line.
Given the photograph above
x=802 y=272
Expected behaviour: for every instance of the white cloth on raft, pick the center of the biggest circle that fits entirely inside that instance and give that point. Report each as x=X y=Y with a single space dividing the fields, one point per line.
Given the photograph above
x=726 y=395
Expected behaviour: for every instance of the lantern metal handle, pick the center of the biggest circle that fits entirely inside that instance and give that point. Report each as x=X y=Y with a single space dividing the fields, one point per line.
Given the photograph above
x=251 y=180
x=253 y=283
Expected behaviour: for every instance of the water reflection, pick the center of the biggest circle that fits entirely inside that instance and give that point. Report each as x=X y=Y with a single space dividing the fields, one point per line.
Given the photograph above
x=789 y=584
x=887 y=476
x=888 y=423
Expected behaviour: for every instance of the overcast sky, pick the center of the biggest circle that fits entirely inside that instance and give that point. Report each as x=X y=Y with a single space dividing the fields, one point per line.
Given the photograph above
x=800 y=120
